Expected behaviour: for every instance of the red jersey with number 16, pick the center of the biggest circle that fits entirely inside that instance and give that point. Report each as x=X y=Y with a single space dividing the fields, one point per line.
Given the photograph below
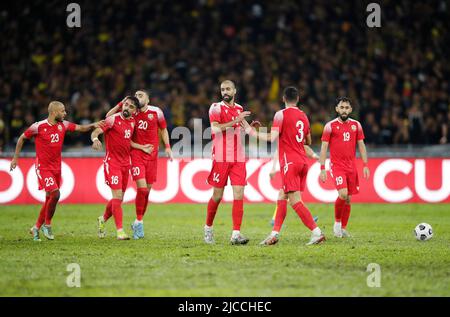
x=49 y=139
x=293 y=127
x=342 y=138
x=118 y=131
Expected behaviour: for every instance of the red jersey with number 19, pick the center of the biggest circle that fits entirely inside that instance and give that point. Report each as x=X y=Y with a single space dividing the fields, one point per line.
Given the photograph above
x=49 y=139
x=293 y=127
x=342 y=138
x=118 y=131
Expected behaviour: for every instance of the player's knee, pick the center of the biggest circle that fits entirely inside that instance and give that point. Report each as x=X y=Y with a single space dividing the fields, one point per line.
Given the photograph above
x=56 y=194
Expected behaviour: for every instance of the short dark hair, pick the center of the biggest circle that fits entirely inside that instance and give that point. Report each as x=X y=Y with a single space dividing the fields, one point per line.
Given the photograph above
x=344 y=99
x=291 y=94
x=145 y=90
x=135 y=101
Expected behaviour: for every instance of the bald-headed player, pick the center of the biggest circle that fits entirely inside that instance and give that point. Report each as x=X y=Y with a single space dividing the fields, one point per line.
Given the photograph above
x=49 y=138
x=150 y=122
x=228 y=160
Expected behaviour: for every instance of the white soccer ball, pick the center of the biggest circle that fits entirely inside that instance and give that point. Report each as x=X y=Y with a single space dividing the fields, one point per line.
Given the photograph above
x=423 y=232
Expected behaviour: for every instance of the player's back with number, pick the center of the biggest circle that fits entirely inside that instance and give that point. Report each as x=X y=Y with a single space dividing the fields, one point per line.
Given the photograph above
x=293 y=126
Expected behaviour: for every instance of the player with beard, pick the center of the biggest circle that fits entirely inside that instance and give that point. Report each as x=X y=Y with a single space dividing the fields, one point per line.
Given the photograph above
x=342 y=134
x=150 y=122
x=49 y=138
x=118 y=130
x=228 y=157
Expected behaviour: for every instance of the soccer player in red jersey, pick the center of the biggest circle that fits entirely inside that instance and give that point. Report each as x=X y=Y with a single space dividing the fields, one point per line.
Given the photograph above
x=118 y=130
x=342 y=134
x=144 y=165
x=49 y=138
x=228 y=160
x=291 y=129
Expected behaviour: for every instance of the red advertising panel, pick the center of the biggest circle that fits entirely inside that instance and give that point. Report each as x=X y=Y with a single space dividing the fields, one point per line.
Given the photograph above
x=392 y=180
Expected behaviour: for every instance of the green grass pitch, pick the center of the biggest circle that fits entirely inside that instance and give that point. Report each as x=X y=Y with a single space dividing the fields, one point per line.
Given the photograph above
x=173 y=260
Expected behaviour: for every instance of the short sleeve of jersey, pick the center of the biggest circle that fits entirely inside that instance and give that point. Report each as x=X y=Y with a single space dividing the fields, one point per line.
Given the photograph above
x=31 y=131
x=161 y=120
x=70 y=126
x=360 y=135
x=214 y=113
x=326 y=134
x=277 y=121
x=109 y=122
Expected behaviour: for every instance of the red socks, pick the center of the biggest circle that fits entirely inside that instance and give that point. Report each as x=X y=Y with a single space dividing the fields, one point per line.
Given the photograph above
x=238 y=213
x=51 y=207
x=304 y=214
x=141 y=202
x=211 y=211
x=41 y=217
x=108 y=211
x=116 y=207
x=345 y=215
x=280 y=215
x=339 y=206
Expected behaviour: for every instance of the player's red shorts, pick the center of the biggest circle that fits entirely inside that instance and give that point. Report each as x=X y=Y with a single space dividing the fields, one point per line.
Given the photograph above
x=346 y=179
x=116 y=176
x=49 y=180
x=146 y=169
x=293 y=177
x=220 y=172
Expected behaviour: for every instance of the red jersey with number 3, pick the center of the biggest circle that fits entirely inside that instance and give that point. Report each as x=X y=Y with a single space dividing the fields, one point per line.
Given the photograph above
x=342 y=138
x=227 y=145
x=49 y=139
x=293 y=127
x=118 y=131
x=146 y=132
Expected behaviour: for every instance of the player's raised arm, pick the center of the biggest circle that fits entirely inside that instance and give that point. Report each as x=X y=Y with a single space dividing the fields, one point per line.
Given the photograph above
x=88 y=127
x=322 y=158
x=116 y=108
x=19 y=146
x=96 y=144
x=363 y=151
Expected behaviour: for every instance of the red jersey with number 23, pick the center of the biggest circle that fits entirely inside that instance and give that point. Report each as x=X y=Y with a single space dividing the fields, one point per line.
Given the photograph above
x=49 y=139
x=293 y=127
x=342 y=138
x=118 y=131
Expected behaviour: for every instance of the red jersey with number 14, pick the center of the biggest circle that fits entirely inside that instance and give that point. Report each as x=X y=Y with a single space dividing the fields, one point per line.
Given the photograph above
x=293 y=127
x=342 y=138
x=146 y=132
x=49 y=139
x=118 y=131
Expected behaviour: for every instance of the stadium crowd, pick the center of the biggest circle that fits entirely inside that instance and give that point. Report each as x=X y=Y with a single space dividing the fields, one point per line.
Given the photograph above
x=397 y=75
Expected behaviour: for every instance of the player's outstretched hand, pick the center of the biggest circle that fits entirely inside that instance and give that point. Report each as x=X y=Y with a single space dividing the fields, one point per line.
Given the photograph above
x=147 y=148
x=244 y=114
x=323 y=176
x=13 y=164
x=169 y=154
x=366 y=172
x=97 y=145
x=99 y=124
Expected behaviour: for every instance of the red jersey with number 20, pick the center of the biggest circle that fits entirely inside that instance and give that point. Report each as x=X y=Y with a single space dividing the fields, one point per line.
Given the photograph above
x=342 y=138
x=118 y=131
x=293 y=127
x=49 y=139
x=147 y=124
